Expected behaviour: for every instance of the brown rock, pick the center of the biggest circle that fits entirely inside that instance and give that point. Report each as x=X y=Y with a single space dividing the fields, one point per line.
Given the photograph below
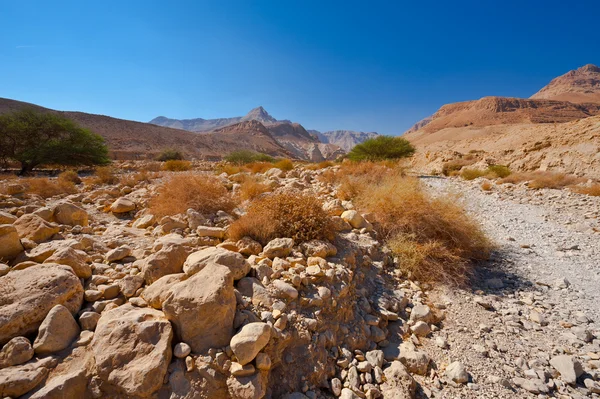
x=35 y=228
x=70 y=214
x=74 y=258
x=17 y=351
x=168 y=260
x=56 y=332
x=10 y=245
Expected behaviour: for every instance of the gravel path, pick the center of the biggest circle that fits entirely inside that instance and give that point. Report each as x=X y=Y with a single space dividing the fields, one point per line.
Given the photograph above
x=538 y=297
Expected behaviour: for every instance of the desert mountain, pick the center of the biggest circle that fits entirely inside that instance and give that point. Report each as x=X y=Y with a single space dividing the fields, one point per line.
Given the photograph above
x=581 y=85
x=525 y=134
x=345 y=139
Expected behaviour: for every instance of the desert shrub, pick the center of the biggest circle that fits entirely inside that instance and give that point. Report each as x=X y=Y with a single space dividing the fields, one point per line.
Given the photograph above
x=450 y=167
x=318 y=166
x=251 y=187
x=133 y=179
x=202 y=192
x=170 y=155
x=47 y=188
x=70 y=176
x=433 y=236
x=285 y=214
x=472 y=174
x=498 y=171
x=354 y=177
x=259 y=167
x=593 y=190
x=486 y=186
x=381 y=148
x=228 y=168
x=105 y=175
x=243 y=157
x=284 y=164
x=542 y=179
x=177 y=166
x=329 y=176
x=151 y=167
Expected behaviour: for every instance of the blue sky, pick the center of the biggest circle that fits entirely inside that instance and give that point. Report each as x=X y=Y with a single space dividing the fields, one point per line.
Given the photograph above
x=371 y=66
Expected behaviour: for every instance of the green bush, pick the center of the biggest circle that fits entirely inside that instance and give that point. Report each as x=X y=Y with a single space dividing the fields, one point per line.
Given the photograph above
x=170 y=155
x=243 y=157
x=381 y=148
x=472 y=174
x=500 y=171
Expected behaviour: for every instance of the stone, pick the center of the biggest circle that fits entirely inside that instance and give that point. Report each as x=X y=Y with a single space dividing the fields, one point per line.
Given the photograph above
x=247 y=387
x=74 y=258
x=284 y=290
x=70 y=214
x=4 y=269
x=130 y=284
x=118 y=254
x=348 y=394
x=122 y=205
x=89 y=320
x=156 y=293
x=110 y=291
x=202 y=308
x=56 y=332
x=209 y=231
x=144 y=222
x=421 y=313
x=249 y=341
x=535 y=386
x=457 y=372
x=279 y=247
x=16 y=351
x=181 y=350
x=399 y=384
x=263 y=361
x=132 y=348
x=568 y=367
x=239 y=370
x=35 y=228
x=10 y=244
x=7 y=218
x=247 y=246
x=420 y=329
x=28 y=295
x=415 y=361
x=251 y=287
x=235 y=261
x=18 y=380
x=168 y=260
x=318 y=248
x=354 y=218
x=375 y=358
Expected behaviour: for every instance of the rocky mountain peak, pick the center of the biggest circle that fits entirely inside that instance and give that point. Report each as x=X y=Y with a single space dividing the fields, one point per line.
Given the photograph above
x=259 y=114
x=581 y=85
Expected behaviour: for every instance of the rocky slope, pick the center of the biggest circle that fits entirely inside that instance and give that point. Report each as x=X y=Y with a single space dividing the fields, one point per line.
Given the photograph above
x=345 y=139
x=581 y=85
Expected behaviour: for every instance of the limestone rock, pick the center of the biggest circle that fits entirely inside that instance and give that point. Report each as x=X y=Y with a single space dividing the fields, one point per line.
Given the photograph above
x=74 y=258
x=144 y=222
x=247 y=246
x=17 y=351
x=118 y=253
x=457 y=372
x=415 y=361
x=209 y=231
x=196 y=261
x=284 y=290
x=70 y=214
x=132 y=348
x=122 y=205
x=202 y=308
x=18 y=380
x=250 y=387
x=399 y=384
x=7 y=218
x=10 y=244
x=321 y=249
x=56 y=332
x=168 y=260
x=279 y=247
x=249 y=341
x=35 y=228
x=26 y=297
x=354 y=218
x=156 y=293
x=568 y=367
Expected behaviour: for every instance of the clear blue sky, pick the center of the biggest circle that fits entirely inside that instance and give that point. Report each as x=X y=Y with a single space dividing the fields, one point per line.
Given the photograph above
x=360 y=65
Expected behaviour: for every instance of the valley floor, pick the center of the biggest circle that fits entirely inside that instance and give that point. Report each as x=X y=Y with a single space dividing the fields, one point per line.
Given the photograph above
x=537 y=298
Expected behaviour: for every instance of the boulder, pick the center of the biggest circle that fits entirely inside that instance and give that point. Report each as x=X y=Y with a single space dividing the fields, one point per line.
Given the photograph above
x=168 y=260
x=10 y=244
x=35 y=228
x=26 y=297
x=202 y=308
x=18 y=380
x=253 y=288
x=457 y=372
x=415 y=361
x=118 y=253
x=279 y=247
x=284 y=290
x=70 y=214
x=74 y=258
x=196 y=261
x=17 y=351
x=209 y=231
x=144 y=222
x=156 y=293
x=89 y=320
x=247 y=246
x=249 y=341
x=421 y=313
x=248 y=387
x=7 y=218
x=132 y=348
x=399 y=384
x=122 y=205
x=130 y=284
x=354 y=218
x=56 y=332
x=569 y=368
x=321 y=249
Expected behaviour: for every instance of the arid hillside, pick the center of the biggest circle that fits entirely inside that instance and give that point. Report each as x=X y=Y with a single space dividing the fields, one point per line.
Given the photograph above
x=581 y=85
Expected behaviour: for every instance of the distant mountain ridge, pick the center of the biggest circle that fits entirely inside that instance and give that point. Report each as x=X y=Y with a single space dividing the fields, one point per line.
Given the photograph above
x=345 y=139
x=581 y=85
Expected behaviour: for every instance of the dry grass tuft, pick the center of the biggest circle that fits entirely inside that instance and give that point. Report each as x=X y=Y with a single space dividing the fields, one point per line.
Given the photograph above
x=318 y=166
x=47 y=188
x=593 y=190
x=105 y=175
x=251 y=187
x=177 y=166
x=229 y=169
x=70 y=176
x=285 y=165
x=486 y=186
x=353 y=177
x=259 y=167
x=542 y=179
x=452 y=168
x=286 y=214
x=204 y=193
x=132 y=180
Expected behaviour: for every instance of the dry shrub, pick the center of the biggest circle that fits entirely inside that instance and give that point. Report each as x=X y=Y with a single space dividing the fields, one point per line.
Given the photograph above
x=259 y=167
x=486 y=186
x=47 y=188
x=132 y=180
x=285 y=214
x=593 y=190
x=285 y=165
x=320 y=165
x=433 y=237
x=151 y=167
x=355 y=176
x=177 y=166
x=492 y=172
x=542 y=179
x=70 y=176
x=472 y=174
x=453 y=167
x=229 y=169
x=329 y=176
x=251 y=187
x=204 y=193
x=105 y=175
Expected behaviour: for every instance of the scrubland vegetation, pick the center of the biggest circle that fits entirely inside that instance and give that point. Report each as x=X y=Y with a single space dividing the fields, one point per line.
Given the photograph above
x=382 y=148
x=177 y=166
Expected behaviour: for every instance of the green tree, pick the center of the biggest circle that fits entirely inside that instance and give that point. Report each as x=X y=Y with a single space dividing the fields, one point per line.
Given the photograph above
x=170 y=155
x=381 y=148
x=36 y=138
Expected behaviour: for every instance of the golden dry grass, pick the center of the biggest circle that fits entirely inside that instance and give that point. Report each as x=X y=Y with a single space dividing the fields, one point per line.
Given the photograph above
x=318 y=166
x=251 y=187
x=285 y=214
x=70 y=176
x=593 y=190
x=47 y=188
x=258 y=167
x=177 y=166
x=354 y=176
x=285 y=165
x=228 y=168
x=486 y=186
x=105 y=175
x=201 y=192
x=543 y=179
x=133 y=179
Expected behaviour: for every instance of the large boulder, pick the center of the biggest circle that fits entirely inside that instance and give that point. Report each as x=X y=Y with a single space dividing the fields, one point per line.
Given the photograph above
x=202 y=308
x=122 y=205
x=74 y=258
x=35 y=228
x=279 y=247
x=196 y=261
x=10 y=244
x=7 y=218
x=18 y=380
x=26 y=297
x=168 y=260
x=399 y=384
x=17 y=351
x=157 y=292
x=56 y=332
x=70 y=214
x=132 y=348
x=249 y=341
